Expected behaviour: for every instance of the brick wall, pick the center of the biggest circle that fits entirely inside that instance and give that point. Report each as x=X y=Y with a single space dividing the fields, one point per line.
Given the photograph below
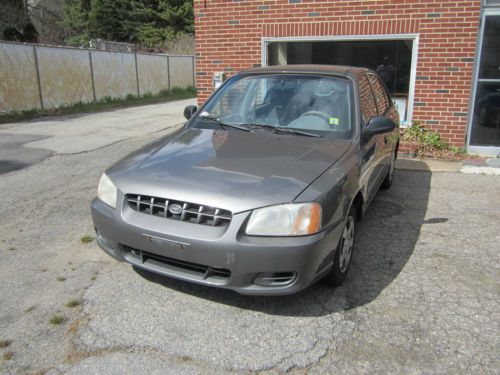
x=229 y=32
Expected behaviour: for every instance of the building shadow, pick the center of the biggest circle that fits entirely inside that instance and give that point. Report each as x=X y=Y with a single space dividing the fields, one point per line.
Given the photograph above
x=385 y=241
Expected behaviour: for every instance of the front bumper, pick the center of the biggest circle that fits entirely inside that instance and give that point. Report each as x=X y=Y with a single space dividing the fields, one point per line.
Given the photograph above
x=224 y=258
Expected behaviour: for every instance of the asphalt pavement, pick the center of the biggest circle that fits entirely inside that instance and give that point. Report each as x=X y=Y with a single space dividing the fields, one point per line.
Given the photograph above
x=422 y=295
x=13 y=154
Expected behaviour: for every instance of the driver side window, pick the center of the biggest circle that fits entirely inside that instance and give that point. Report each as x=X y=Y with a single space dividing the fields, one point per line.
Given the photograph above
x=366 y=99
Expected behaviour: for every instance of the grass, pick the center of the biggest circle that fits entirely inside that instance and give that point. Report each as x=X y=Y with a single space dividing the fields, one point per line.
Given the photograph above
x=30 y=309
x=93 y=278
x=4 y=343
x=7 y=356
x=60 y=278
x=12 y=248
x=56 y=319
x=86 y=239
x=104 y=104
x=73 y=302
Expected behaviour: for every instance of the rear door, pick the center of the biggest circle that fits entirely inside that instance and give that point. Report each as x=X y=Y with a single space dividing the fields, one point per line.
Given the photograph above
x=372 y=148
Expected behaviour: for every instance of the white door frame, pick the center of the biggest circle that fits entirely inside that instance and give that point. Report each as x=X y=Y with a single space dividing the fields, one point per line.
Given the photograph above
x=480 y=150
x=347 y=38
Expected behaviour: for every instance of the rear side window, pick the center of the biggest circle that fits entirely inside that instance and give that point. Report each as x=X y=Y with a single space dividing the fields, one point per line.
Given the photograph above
x=367 y=101
x=380 y=94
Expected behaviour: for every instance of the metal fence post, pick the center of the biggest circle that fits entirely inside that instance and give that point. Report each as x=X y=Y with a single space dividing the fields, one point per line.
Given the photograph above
x=193 y=70
x=168 y=72
x=137 y=74
x=38 y=77
x=92 y=76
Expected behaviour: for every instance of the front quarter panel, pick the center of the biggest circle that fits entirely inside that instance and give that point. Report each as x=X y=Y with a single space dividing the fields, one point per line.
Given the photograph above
x=335 y=189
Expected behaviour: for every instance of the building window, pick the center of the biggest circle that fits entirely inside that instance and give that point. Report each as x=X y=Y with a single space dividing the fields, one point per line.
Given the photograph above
x=391 y=59
x=485 y=127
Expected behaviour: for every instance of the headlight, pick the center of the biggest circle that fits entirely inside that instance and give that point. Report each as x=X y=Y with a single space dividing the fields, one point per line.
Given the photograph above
x=106 y=191
x=285 y=220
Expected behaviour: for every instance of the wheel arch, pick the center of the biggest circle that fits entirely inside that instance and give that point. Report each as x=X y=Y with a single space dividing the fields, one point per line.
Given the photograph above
x=357 y=203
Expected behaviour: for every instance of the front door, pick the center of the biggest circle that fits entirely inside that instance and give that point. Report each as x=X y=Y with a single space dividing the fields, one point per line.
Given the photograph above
x=485 y=126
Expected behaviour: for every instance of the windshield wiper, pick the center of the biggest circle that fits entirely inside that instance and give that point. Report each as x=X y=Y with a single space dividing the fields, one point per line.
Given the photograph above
x=223 y=125
x=284 y=130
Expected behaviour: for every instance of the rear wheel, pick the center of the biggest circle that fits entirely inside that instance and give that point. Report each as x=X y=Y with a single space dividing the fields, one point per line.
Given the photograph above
x=343 y=254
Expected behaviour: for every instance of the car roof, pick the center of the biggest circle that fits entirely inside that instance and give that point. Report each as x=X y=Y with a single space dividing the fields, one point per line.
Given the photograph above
x=338 y=70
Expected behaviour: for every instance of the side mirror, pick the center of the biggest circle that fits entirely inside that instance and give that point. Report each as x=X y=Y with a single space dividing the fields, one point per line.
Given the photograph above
x=189 y=111
x=379 y=125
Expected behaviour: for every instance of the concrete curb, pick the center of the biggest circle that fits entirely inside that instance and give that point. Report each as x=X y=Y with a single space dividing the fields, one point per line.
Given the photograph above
x=474 y=166
x=428 y=165
x=491 y=171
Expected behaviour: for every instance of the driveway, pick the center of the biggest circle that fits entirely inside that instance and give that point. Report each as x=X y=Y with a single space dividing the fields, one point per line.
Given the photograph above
x=422 y=295
x=25 y=144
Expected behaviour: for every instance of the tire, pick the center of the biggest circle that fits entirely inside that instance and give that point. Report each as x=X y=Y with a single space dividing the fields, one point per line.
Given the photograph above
x=343 y=253
x=386 y=184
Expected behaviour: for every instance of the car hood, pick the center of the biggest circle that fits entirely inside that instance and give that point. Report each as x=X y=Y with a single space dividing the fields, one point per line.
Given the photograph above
x=232 y=170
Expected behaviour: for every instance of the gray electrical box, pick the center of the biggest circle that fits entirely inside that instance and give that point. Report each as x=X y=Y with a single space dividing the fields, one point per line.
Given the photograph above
x=218 y=79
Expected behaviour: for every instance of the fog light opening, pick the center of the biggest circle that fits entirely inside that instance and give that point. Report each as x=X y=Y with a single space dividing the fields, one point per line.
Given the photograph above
x=103 y=241
x=275 y=278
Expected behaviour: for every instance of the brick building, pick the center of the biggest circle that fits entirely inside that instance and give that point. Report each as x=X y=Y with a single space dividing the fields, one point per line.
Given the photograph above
x=439 y=58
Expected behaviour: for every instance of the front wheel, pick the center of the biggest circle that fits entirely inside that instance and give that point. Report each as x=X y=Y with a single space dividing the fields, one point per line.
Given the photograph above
x=343 y=254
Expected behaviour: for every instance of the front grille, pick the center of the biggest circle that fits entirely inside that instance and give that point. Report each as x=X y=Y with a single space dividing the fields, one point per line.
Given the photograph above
x=189 y=212
x=204 y=272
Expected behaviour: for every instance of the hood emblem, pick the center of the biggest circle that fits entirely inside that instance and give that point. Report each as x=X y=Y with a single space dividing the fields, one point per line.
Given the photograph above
x=175 y=209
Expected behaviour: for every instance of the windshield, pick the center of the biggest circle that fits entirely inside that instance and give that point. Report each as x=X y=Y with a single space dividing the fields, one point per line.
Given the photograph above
x=309 y=103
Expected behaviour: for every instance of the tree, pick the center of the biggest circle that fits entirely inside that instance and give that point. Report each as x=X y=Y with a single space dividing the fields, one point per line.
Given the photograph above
x=116 y=20
x=178 y=14
x=76 y=19
x=15 y=24
x=148 y=23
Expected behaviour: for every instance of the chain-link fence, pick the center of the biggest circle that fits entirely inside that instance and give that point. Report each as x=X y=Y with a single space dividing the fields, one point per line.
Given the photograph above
x=41 y=77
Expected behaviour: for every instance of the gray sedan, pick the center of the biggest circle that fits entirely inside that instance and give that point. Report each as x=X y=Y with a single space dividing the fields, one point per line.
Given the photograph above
x=260 y=191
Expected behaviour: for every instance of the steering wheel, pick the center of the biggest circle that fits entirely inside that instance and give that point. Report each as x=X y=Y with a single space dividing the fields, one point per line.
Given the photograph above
x=320 y=114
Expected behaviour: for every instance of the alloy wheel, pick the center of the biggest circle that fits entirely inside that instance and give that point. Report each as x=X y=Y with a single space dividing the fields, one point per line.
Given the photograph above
x=347 y=244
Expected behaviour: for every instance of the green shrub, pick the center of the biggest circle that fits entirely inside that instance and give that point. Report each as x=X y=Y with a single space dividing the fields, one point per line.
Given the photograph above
x=427 y=142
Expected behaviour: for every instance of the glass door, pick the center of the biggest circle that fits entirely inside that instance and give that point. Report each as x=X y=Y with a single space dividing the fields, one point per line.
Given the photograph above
x=485 y=126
